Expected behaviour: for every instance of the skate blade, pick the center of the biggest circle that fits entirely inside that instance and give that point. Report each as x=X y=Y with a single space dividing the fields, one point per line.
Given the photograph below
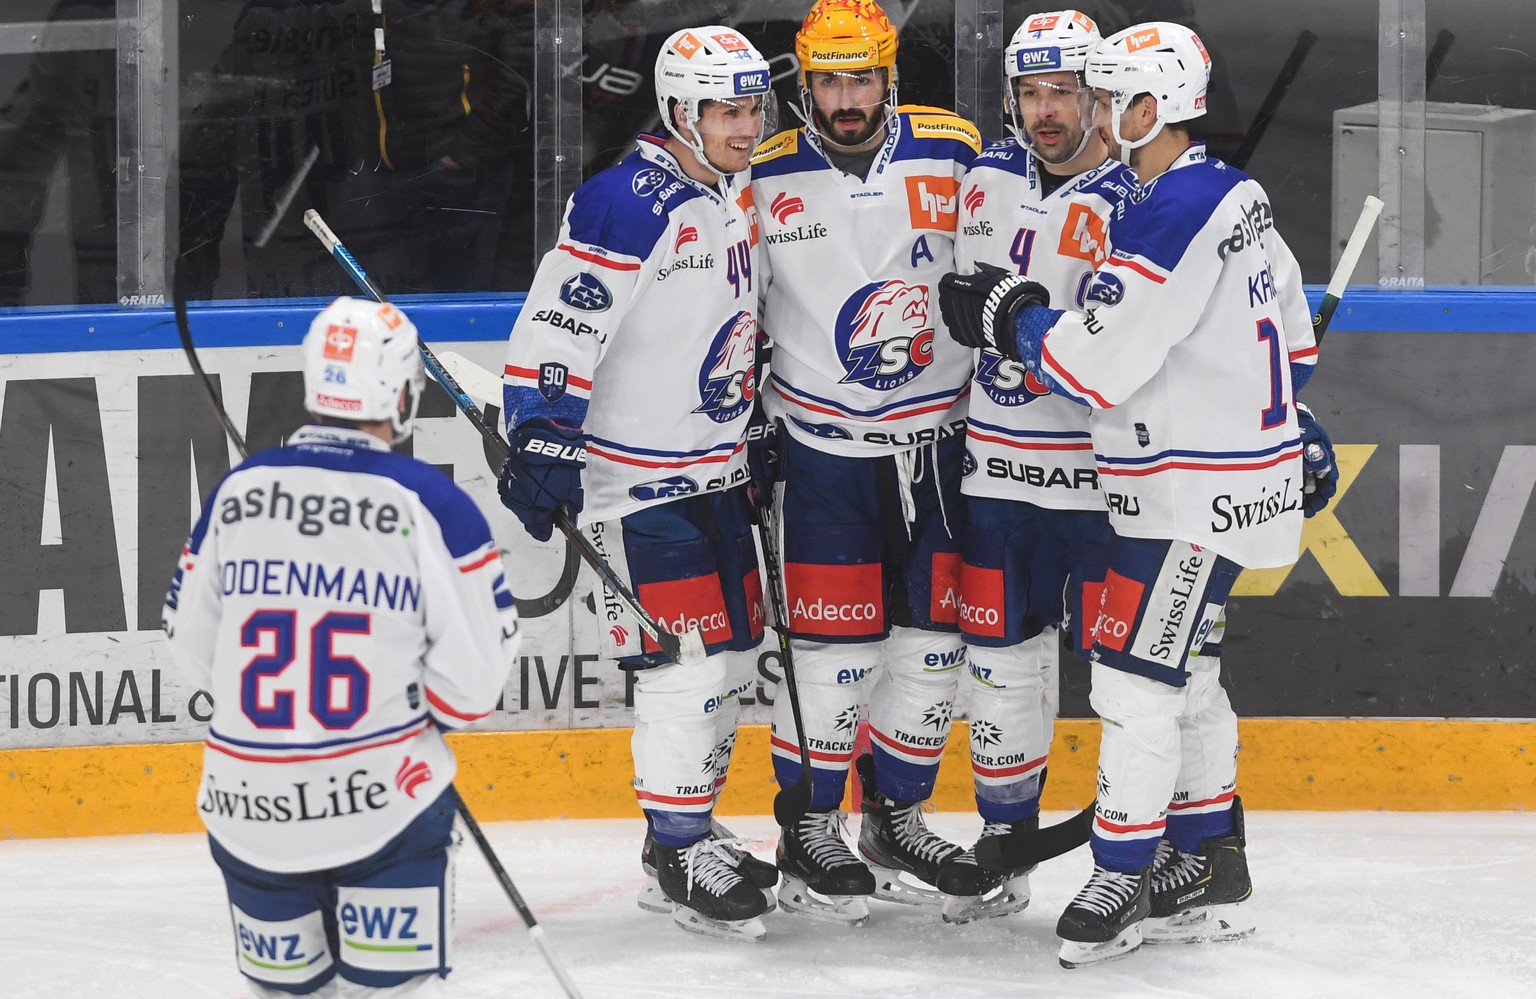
x=901 y=887
x=1207 y=924
x=845 y=910
x=1075 y=954
x=651 y=898
x=750 y=930
x=1009 y=897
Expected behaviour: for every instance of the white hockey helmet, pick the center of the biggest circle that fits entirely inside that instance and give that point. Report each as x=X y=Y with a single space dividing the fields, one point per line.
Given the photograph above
x=361 y=364
x=709 y=63
x=1057 y=41
x=1159 y=58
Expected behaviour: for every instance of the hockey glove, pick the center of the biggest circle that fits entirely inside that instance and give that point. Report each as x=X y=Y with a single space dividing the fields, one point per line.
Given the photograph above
x=1319 y=472
x=981 y=309
x=764 y=457
x=542 y=474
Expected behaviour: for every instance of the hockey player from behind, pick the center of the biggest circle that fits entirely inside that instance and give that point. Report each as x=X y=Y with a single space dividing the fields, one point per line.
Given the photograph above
x=859 y=210
x=1195 y=343
x=1039 y=204
x=344 y=605
x=630 y=381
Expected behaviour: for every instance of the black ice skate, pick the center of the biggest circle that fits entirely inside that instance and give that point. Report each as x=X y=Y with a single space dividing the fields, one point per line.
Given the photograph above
x=894 y=841
x=708 y=895
x=759 y=873
x=1104 y=920
x=822 y=877
x=1198 y=896
x=971 y=892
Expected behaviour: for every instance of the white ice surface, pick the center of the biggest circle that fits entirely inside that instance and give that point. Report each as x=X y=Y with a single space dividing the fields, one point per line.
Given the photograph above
x=1348 y=904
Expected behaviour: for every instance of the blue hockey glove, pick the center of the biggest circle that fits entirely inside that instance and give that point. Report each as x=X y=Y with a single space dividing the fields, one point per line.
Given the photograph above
x=542 y=474
x=1320 y=473
x=764 y=457
x=981 y=309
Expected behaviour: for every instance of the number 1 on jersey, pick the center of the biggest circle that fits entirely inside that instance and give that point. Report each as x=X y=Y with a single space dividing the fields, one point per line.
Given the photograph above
x=1273 y=416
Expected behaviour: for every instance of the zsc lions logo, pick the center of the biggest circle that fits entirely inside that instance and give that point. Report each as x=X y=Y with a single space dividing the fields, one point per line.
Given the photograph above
x=727 y=380
x=883 y=334
x=585 y=292
x=1006 y=381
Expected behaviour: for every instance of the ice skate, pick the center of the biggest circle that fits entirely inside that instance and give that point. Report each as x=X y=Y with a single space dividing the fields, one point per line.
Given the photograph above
x=821 y=876
x=1199 y=897
x=1104 y=920
x=707 y=893
x=971 y=892
x=904 y=854
x=759 y=873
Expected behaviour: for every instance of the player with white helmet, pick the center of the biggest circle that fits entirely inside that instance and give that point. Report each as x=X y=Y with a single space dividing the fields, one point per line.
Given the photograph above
x=630 y=381
x=344 y=605
x=859 y=211
x=1038 y=205
x=1188 y=350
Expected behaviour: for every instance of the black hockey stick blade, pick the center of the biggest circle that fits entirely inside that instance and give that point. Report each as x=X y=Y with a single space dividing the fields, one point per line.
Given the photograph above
x=791 y=803
x=1014 y=850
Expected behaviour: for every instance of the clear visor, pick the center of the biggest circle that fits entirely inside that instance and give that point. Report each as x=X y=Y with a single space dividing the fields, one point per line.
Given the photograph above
x=1053 y=114
x=849 y=106
x=727 y=131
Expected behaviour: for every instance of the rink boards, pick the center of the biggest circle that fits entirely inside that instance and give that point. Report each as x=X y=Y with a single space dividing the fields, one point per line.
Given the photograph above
x=1412 y=603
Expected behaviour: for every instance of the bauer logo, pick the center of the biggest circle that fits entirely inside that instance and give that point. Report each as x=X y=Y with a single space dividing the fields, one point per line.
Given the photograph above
x=668 y=488
x=553 y=377
x=648 y=183
x=726 y=381
x=585 y=292
x=884 y=334
x=1043 y=57
x=752 y=81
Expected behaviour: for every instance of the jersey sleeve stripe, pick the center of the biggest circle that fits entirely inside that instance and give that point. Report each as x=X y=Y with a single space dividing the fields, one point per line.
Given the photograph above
x=1065 y=377
x=1130 y=264
x=445 y=708
x=601 y=261
x=1024 y=444
x=704 y=459
x=1304 y=354
x=533 y=376
x=279 y=757
x=481 y=562
x=1203 y=466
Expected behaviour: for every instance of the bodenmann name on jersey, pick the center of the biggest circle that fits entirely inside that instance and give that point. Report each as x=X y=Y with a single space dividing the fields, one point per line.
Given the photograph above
x=296 y=802
x=277 y=577
x=1235 y=515
x=689 y=262
x=314 y=511
x=800 y=232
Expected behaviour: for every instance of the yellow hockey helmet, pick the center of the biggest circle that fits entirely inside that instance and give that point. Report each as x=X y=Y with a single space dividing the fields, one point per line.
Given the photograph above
x=845 y=35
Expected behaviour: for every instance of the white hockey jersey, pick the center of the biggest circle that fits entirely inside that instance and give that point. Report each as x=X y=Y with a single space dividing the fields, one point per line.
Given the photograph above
x=342 y=604
x=1198 y=316
x=862 y=362
x=1023 y=442
x=641 y=329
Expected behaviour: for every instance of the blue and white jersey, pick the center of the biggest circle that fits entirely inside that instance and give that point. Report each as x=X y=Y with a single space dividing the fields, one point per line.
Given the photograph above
x=1022 y=442
x=641 y=329
x=342 y=604
x=862 y=361
x=1197 y=319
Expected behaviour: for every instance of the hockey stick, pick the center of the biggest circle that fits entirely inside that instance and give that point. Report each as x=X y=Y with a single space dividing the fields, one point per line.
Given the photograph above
x=790 y=803
x=535 y=931
x=1346 y=268
x=1014 y=850
x=285 y=197
x=685 y=649
x=1272 y=100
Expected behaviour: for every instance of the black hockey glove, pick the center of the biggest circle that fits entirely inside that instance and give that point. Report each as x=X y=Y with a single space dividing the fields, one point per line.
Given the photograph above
x=981 y=309
x=542 y=474
x=1320 y=473
x=764 y=456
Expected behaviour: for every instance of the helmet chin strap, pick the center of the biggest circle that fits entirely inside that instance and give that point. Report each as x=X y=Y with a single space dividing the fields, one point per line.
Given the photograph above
x=1128 y=144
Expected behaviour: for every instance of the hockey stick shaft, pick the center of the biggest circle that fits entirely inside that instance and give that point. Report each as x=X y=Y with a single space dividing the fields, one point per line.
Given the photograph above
x=1272 y=101
x=790 y=803
x=184 y=330
x=687 y=648
x=1347 y=261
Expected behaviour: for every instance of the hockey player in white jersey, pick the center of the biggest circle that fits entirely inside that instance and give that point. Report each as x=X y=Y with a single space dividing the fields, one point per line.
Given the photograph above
x=1038 y=204
x=344 y=605
x=859 y=212
x=630 y=381
x=1194 y=344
